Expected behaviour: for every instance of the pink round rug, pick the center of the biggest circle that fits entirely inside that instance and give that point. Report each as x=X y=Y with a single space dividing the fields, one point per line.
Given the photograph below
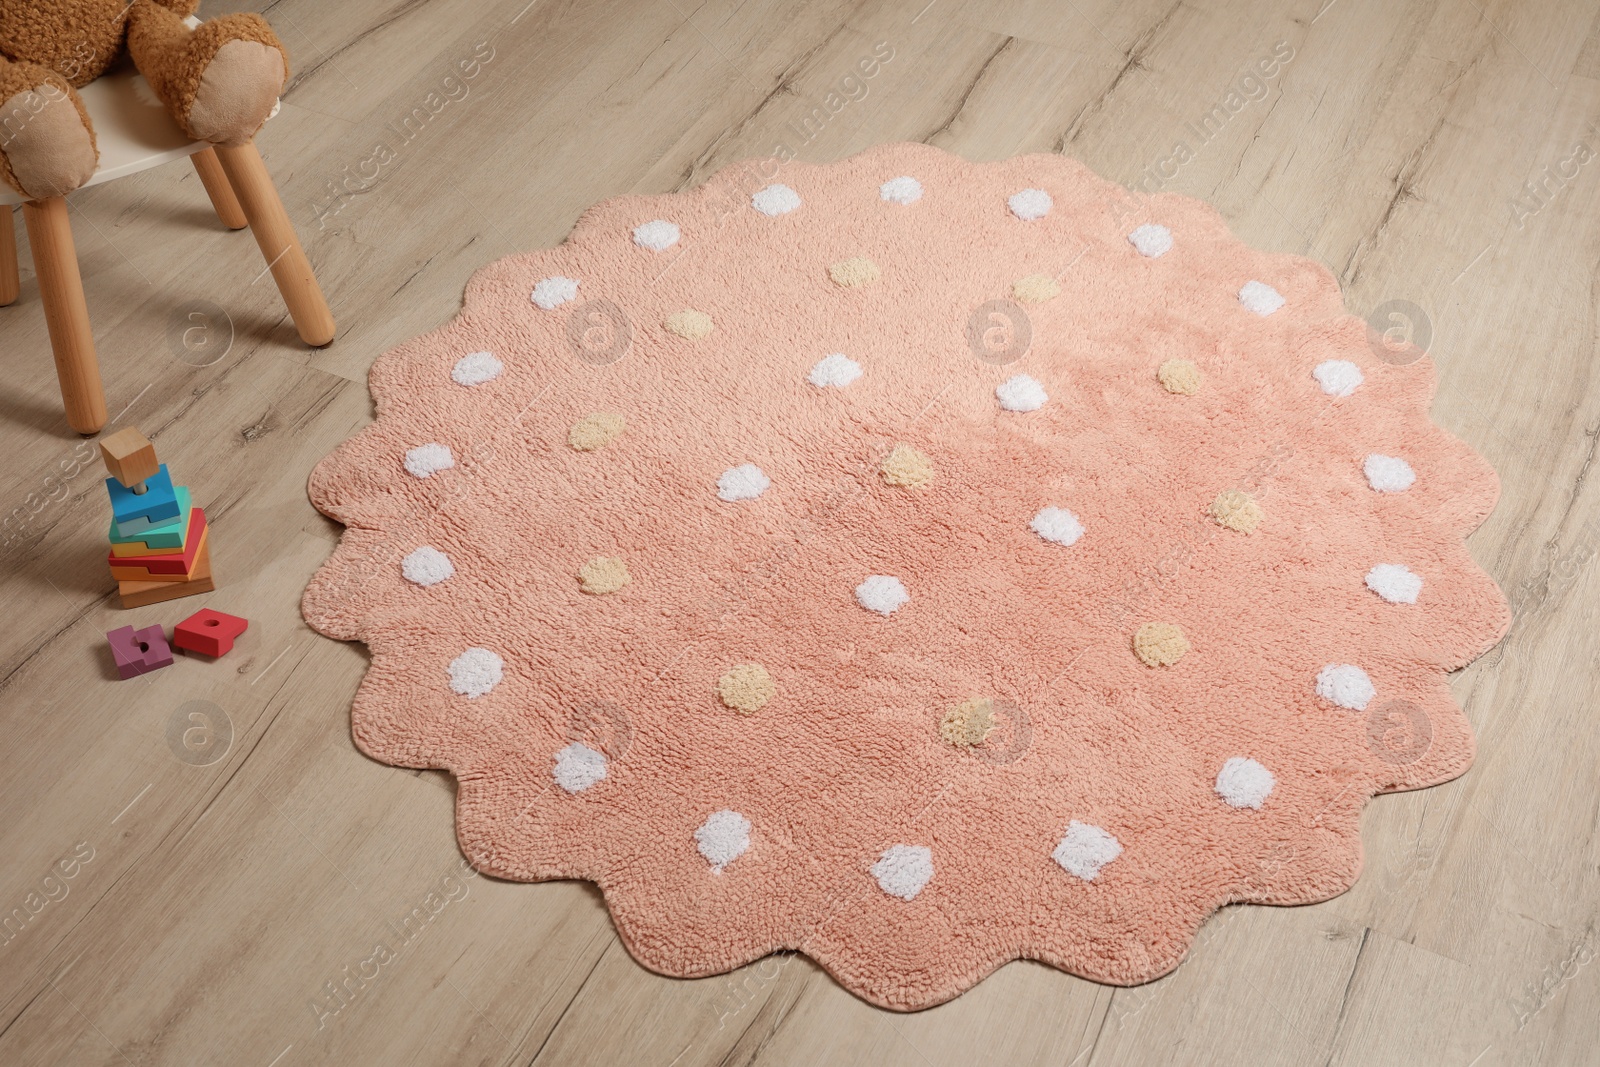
x=915 y=563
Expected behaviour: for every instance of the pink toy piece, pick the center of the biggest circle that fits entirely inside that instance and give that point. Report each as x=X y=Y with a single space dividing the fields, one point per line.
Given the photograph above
x=139 y=651
x=209 y=632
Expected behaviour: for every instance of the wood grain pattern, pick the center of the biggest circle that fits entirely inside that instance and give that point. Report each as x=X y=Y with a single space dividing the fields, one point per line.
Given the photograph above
x=234 y=894
x=10 y=277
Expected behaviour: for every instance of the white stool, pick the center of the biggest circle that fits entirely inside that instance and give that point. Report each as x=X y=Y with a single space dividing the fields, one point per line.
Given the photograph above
x=134 y=132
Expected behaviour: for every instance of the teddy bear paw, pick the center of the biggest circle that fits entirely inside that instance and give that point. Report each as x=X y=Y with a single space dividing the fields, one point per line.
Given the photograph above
x=237 y=92
x=47 y=147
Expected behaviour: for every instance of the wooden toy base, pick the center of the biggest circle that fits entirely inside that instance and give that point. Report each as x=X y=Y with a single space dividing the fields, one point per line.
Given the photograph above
x=140 y=594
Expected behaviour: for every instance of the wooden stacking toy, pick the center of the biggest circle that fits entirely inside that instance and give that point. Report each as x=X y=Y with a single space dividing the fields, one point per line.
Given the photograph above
x=158 y=537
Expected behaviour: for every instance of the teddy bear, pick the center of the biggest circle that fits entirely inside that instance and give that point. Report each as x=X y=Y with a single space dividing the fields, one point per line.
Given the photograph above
x=219 y=80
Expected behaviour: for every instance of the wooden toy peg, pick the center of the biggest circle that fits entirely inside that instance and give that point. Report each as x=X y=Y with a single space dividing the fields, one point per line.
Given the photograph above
x=130 y=458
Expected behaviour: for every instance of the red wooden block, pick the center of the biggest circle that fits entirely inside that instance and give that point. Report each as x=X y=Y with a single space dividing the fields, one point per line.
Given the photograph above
x=139 y=651
x=209 y=632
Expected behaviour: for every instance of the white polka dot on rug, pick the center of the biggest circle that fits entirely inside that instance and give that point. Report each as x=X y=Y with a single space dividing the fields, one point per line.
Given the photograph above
x=1395 y=582
x=1021 y=393
x=1388 y=474
x=1085 y=849
x=902 y=190
x=882 y=593
x=657 y=235
x=1338 y=377
x=1058 y=525
x=475 y=672
x=428 y=459
x=426 y=566
x=1151 y=240
x=554 y=291
x=837 y=370
x=723 y=838
x=1029 y=204
x=477 y=368
x=1260 y=298
x=744 y=482
x=1345 y=685
x=775 y=200
x=578 y=767
x=903 y=870
x=1244 y=783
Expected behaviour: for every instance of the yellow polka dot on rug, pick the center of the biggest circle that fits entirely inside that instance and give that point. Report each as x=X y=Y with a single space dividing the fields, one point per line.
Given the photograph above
x=1179 y=376
x=747 y=687
x=595 y=431
x=602 y=575
x=854 y=272
x=1035 y=289
x=690 y=324
x=968 y=723
x=904 y=466
x=1237 y=510
x=1160 y=644
x=929 y=608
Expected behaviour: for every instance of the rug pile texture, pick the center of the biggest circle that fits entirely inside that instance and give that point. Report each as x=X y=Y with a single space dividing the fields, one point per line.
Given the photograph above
x=915 y=563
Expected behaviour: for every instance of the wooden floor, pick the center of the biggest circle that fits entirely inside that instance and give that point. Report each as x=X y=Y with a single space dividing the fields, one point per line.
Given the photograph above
x=232 y=854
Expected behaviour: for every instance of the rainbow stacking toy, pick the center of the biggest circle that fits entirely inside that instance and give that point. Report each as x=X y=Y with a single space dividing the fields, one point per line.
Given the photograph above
x=158 y=537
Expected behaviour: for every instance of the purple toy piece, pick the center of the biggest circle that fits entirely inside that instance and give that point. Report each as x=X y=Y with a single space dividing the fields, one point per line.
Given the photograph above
x=139 y=651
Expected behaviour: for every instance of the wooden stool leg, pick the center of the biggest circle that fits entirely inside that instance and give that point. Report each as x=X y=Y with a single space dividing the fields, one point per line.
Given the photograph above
x=209 y=168
x=55 y=261
x=268 y=221
x=10 y=280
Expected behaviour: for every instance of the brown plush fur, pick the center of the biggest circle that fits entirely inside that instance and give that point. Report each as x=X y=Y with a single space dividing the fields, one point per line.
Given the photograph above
x=78 y=39
x=51 y=46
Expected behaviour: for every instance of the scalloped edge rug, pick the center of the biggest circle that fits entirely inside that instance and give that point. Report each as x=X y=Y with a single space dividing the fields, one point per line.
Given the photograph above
x=915 y=563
